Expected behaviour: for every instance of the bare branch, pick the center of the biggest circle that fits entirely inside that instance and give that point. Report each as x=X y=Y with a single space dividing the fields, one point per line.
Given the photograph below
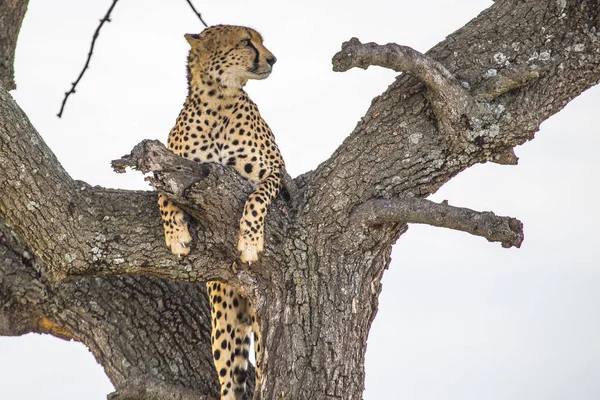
x=197 y=13
x=507 y=230
x=448 y=99
x=153 y=156
x=106 y=18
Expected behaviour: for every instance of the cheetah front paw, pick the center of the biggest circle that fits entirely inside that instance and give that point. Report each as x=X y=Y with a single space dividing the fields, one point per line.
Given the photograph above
x=250 y=248
x=179 y=241
x=181 y=246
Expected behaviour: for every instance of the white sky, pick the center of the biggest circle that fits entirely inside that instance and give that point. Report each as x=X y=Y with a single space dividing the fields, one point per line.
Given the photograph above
x=460 y=318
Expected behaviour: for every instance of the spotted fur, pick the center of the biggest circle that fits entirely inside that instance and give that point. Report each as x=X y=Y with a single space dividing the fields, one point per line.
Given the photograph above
x=219 y=123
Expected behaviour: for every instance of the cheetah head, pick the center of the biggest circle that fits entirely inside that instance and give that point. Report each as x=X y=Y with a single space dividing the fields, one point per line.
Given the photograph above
x=228 y=55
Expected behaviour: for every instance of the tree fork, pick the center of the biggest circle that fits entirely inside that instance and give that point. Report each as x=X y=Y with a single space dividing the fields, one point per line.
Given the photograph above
x=316 y=287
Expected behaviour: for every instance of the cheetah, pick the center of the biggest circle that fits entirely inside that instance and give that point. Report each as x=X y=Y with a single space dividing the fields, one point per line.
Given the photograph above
x=219 y=123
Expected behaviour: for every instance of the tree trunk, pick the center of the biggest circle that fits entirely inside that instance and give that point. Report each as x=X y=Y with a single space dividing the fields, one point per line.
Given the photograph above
x=90 y=263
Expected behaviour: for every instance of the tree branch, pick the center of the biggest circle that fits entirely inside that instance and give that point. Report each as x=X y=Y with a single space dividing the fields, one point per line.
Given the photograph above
x=98 y=310
x=71 y=91
x=506 y=230
x=197 y=13
x=178 y=175
x=447 y=97
x=396 y=149
x=17 y=279
x=106 y=18
x=11 y=17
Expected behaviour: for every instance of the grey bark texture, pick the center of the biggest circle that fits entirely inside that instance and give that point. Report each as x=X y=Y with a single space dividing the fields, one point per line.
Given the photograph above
x=11 y=17
x=90 y=263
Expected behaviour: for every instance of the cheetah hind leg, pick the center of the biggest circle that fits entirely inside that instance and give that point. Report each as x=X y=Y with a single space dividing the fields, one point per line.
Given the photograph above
x=175 y=224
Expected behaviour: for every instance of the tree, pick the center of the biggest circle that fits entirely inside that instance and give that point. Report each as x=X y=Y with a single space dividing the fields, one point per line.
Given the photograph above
x=318 y=282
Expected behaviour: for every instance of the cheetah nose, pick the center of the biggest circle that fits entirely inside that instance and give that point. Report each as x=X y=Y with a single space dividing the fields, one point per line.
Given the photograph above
x=271 y=60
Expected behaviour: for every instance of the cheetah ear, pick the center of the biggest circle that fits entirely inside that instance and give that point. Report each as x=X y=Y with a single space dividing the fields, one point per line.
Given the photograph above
x=194 y=39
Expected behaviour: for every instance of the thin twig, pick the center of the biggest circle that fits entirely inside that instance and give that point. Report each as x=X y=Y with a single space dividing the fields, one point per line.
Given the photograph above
x=96 y=34
x=87 y=63
x=197 y=13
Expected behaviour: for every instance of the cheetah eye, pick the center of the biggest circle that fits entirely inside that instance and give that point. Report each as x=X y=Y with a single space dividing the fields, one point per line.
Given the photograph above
x=245 y=42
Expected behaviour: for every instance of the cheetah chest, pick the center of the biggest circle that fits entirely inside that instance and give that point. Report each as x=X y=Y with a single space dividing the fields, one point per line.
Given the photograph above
x=236 y=136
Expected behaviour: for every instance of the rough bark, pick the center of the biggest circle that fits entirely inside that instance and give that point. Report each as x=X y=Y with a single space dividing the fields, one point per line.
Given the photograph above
x=470 y=99
x=11 y=17
x=140 y=329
